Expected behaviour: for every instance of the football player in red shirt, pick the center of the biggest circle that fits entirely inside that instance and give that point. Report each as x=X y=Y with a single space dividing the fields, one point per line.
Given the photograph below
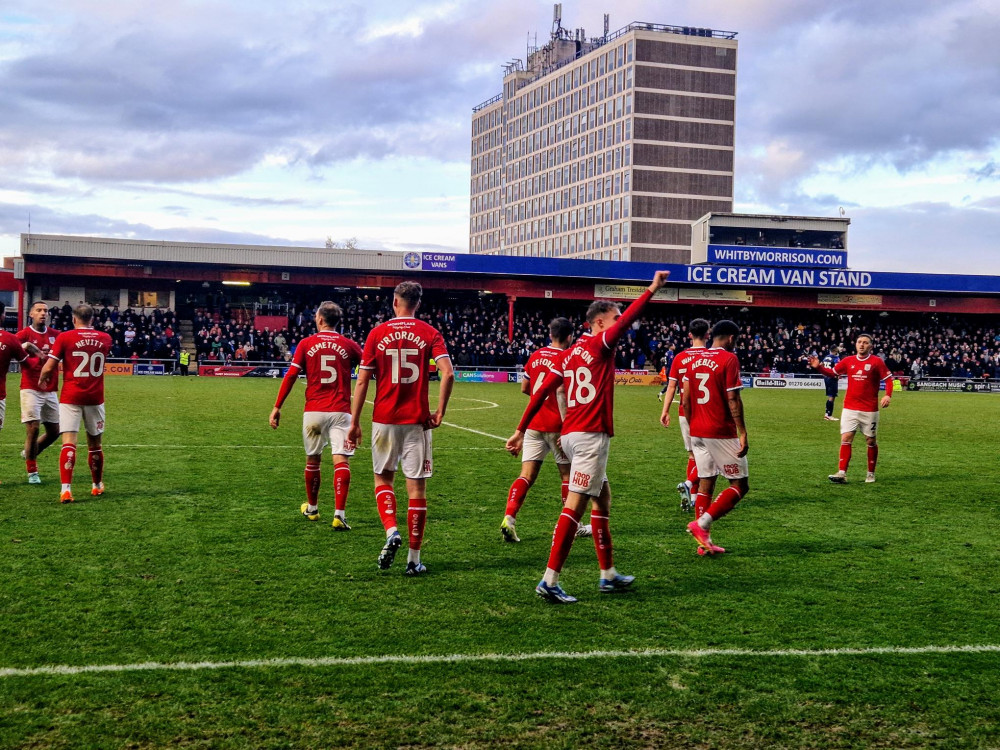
x=542 y=436
x=698 y=333
x=587 y=372
x=10 y=350
x=326 y=359
x=83 y=352
x=710 y=395
x=38 y=407
x=865 y=372
x=398 y=353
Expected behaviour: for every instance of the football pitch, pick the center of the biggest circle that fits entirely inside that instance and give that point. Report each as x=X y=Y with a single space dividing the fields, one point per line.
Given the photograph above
x=226 y=619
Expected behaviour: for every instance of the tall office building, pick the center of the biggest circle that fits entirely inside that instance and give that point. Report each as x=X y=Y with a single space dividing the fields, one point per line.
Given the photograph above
x=606 y=148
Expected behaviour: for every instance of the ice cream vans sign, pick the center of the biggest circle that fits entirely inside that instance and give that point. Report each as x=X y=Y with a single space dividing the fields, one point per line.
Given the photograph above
x=778 y=277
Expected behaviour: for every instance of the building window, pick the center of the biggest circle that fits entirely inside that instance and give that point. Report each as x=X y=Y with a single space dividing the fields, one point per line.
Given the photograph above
x=148 y=299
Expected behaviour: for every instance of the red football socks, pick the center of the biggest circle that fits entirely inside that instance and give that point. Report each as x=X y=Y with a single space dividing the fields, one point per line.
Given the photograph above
x=312 y=484
x=565 y=491
x=31 y=465
x=602 y=540
x=385 y=498
x=416 y=519
x=67 y=460
x=701 y=503
x=562 y=538
x=692 y=472
x=341 y=484
x=724 y=503
x=95 y=459
x=845 y=456
x=515 y=498
x=872 y=457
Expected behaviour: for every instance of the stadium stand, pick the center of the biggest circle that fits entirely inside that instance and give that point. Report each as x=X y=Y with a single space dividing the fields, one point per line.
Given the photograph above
x=914 y=344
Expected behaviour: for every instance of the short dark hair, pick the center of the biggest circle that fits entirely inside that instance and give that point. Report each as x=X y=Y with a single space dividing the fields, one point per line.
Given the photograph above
x=598 y=307
x=725 y=328
x=84 y=312
x=864 y=335
x=560 y=329
x=38 y=302
x=330 y=312
x=699 y=328
x=410 y=293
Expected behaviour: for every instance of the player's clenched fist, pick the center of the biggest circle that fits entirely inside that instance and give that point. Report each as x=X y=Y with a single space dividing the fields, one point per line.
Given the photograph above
x=659 y=279
x=515 y=443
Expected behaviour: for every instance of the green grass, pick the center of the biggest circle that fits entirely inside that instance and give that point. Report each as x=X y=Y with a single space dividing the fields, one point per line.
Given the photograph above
x=197 y=552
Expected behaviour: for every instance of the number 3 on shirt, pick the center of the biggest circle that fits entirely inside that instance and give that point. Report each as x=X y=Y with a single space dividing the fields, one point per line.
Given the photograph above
x=581 y=388
x=703 y=393
x=402 y=361
x=91 y=365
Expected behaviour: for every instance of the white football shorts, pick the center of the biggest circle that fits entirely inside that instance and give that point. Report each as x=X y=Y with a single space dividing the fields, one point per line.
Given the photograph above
x=537 y=445
x=408 y=445
x=685 y=432
x=92 y=415
x=715 y=456
x=588 y=458
x=39 y=406
x=865 y=422
x=322 y=428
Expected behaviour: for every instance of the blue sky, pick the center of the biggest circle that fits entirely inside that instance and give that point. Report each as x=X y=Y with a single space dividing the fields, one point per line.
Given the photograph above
x=272 y=123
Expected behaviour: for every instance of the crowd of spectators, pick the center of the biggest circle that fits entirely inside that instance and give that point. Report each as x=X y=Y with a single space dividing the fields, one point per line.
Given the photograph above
x=476 y=326
x=134 y=333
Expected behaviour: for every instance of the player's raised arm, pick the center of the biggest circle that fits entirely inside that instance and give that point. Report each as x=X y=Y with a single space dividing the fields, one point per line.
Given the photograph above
x=633 y=311
x=817 y=365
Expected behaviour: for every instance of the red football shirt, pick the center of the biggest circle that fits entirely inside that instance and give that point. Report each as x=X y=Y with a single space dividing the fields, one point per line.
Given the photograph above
x=710 y=376
x=327 y=359
x=588 y=375
x=679 y=366
x=82 y=352
x=398 y=352
x=863 y=379
x=549 y=418
x=10 y=349
x=32 y=368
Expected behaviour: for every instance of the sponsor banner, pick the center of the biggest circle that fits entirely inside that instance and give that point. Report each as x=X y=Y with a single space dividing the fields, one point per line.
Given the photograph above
x=630 y=291
x=278 y=371
x=802 y=384
x=747 y=381
x=515 y=377
x=481 y=376
x=720 y=295
x=981 y=386
x=117 y=368
x=750 y=255
x=142 y=369
x=437 y=261
x=630 y=377
x=728 y=275
x=849 y=299
x=243 y=371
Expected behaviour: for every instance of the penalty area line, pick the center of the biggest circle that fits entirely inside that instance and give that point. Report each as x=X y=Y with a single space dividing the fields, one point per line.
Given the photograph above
x=338 y=661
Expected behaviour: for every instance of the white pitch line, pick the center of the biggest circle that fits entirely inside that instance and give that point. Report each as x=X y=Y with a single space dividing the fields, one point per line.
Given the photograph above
x=338 y=661
x=477 y=432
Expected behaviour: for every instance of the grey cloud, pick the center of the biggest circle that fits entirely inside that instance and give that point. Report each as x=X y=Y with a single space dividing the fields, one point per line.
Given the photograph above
x=14 y=221
x=916 y=237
